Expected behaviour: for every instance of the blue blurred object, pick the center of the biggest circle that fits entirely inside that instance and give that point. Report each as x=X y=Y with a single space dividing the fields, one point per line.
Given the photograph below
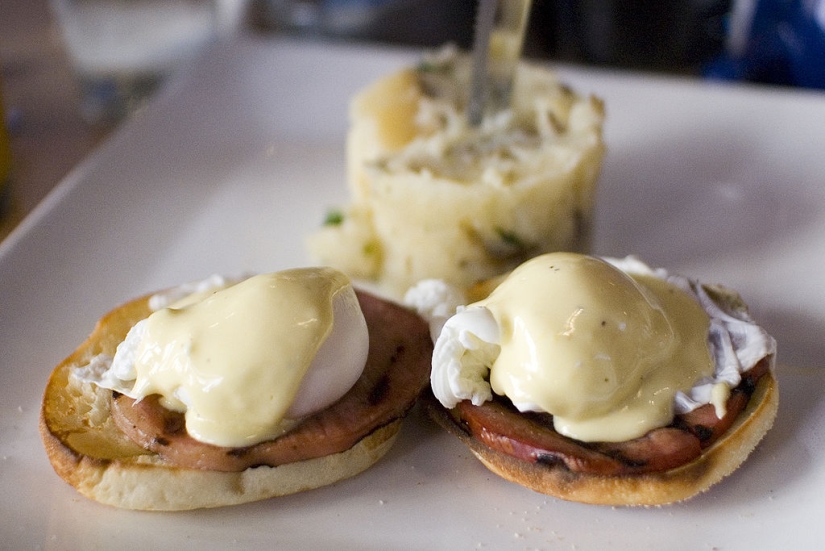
x=775 y=42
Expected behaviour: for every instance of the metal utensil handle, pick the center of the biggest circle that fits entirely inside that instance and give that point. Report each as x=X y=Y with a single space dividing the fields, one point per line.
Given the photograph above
x=499 y=37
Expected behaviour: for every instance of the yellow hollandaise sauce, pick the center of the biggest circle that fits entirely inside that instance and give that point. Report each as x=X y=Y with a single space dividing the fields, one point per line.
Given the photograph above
x=234 y=359
x=604 y=352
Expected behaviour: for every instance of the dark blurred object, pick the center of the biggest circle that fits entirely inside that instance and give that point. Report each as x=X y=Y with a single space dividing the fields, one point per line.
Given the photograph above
x=669 y=35
x=413 y=22
x=776 y=42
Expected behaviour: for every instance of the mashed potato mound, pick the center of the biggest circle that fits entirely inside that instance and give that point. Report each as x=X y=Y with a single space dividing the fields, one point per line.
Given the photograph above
x=432 y=197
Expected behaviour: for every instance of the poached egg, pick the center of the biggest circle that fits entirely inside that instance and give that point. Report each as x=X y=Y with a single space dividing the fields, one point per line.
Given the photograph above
x=609 y=347
x=244 y=361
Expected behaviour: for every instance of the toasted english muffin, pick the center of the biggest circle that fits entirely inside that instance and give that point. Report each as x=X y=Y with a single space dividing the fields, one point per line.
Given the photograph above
x=716 y=462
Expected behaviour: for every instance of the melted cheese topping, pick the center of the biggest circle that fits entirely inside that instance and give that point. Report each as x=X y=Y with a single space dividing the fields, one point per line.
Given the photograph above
x=243 y=362
x=604 y=352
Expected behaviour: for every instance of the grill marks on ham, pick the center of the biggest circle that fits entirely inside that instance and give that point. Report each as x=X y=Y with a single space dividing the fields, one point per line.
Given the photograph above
x=397 y=370
x=530 y=436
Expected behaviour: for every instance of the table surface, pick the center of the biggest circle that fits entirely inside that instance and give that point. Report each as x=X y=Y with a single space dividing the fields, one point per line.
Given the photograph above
x=41 y=99
x=678 y=160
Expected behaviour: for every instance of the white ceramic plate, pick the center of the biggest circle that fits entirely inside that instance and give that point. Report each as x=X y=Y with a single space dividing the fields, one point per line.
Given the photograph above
x=234 y=164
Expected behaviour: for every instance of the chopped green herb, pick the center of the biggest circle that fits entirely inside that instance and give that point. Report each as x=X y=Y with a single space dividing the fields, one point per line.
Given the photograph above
x=334 y=218
x=510 y=238
x=370 y=248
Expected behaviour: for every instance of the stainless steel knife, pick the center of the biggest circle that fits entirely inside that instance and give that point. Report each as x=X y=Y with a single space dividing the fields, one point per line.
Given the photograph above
x=499 y=37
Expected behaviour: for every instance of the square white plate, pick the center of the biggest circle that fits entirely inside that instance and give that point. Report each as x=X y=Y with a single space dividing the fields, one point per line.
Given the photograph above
x=234 y=164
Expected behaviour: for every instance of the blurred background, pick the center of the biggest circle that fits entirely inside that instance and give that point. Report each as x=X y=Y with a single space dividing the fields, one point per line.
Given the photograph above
x=661 y=34
x=768 y=41
x=71 y=71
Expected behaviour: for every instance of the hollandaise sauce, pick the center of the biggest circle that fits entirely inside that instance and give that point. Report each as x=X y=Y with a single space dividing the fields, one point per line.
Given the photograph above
x=234 y=360
x=603 y=351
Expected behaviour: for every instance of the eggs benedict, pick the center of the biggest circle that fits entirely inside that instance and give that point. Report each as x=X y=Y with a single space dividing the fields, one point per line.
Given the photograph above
x=602 y=380
x=235 y=392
